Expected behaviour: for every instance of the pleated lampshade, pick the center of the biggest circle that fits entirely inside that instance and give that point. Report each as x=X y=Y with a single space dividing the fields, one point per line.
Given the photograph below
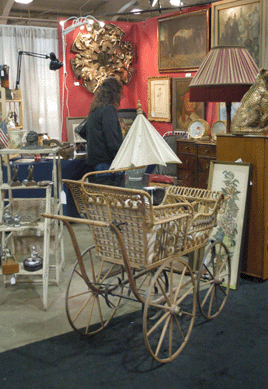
x=226 y=74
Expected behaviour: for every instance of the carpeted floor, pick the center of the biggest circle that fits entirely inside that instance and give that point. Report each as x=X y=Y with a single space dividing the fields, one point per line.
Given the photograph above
x=229 y=352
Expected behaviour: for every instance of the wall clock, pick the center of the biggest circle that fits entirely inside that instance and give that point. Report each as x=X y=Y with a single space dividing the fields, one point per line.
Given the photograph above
x=198 y=129
x=101 y=53
x=218 y=127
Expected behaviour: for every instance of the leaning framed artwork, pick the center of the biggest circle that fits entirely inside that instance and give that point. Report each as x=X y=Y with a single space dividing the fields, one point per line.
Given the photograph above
x=241 y=23
x=183 y=41
x=184 y=111
x=71 y=124
x=233 y=179
x=159 y=99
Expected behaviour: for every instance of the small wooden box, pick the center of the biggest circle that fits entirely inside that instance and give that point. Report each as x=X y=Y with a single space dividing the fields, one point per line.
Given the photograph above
x=10 y=265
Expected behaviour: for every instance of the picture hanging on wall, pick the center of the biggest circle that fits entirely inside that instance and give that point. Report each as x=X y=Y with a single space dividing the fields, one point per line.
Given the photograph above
x=183 y=41
x=184 y=111
x=233 y=179
x=241 y=23
x=159 y=99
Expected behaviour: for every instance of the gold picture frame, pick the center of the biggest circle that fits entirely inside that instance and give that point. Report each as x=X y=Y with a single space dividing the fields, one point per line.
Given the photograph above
x=183 y=41
x=241 y=23
x=159 y=99
x=184 y=111
x=71 y=124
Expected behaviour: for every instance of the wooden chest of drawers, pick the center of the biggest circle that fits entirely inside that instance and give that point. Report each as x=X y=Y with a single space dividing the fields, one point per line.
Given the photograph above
x=195 y=157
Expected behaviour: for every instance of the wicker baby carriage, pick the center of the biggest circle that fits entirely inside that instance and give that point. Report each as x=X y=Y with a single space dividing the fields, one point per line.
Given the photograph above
x=140 y=255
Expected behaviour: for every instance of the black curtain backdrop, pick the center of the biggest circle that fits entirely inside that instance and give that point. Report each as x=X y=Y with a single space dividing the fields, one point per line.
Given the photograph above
x=229 y=352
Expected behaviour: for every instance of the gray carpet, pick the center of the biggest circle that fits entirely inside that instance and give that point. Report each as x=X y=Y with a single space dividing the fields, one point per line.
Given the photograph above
x=229 y=352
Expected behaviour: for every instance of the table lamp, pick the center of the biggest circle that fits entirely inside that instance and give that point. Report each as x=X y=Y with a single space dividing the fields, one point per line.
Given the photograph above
x=225 y=75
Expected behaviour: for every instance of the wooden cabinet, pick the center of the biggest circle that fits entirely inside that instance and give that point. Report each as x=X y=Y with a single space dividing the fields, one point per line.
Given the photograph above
x=195 y=157
x=253 y=149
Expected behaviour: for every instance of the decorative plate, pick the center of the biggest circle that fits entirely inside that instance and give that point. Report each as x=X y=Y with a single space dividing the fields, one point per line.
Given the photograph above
x=218 y=127
x=198 y=128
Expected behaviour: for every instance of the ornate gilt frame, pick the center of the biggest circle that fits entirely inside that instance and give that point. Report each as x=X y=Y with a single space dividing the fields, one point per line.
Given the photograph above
x=222 y=10
x=159 y=99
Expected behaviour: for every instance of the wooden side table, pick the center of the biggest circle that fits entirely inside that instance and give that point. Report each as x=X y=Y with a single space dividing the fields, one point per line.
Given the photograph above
x=195 y=157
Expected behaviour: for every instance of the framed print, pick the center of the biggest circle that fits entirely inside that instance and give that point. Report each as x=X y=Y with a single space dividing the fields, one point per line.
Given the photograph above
x=126 y=118
x=71 y=124
x=241 y=23
x=221 y=110
x=184 y=111
x=183 y=41
x=159 y=99
x=233 y=180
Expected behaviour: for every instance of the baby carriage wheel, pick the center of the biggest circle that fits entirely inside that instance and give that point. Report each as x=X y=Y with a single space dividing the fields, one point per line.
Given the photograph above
x=90 y=307
x=169 y=310
x=213 y=281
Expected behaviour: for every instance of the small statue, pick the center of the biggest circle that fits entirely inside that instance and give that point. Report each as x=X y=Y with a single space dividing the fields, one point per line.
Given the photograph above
x=7 y=218
x=34 y=262
x=32 y=141
x=29 y=181
x=252 y=115
x=14 y=181
x=16 y=219
x=11 y=221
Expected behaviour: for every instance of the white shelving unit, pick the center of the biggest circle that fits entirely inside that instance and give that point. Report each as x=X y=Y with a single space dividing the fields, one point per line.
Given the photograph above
x=33 y=225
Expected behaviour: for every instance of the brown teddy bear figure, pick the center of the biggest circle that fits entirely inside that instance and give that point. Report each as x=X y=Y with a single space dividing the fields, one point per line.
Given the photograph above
x=252 y=116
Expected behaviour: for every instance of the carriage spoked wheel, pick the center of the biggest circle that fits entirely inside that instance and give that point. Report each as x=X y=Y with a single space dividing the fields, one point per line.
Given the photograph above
x=213 y=280
x=169 y=310
x=90 y=306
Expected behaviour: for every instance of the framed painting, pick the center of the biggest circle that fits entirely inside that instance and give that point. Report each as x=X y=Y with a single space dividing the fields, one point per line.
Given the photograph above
x=183 y=41
x=233 y=179
x=126 y=118
x=241 y=23
x=221 y=110
x=159 y=99
x=71 y=124
x=184 y=111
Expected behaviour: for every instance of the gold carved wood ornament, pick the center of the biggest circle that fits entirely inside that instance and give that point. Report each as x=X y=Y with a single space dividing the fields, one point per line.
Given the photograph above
x=101 y=53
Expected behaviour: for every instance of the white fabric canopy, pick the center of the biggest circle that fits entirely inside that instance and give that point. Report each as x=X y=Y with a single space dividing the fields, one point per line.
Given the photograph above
x=143 y=146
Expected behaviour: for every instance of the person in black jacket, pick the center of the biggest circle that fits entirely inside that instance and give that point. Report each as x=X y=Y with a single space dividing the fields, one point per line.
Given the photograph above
x=103 y=131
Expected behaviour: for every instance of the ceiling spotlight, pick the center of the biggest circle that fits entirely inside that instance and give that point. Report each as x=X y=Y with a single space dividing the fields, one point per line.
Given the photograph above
x=176 y=3
x=136 y=11
x=23 y=1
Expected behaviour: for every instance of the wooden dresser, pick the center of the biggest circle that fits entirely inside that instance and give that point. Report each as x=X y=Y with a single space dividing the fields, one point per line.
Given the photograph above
x=253 y=149
x=195 y=157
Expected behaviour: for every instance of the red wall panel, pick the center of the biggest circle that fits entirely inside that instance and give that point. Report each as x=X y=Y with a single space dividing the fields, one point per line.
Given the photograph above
x=75 y=100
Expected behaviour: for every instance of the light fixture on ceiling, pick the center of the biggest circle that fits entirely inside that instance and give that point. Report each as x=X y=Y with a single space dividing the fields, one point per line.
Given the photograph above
x=176 y=3
x=23 y=1
x=136 y=11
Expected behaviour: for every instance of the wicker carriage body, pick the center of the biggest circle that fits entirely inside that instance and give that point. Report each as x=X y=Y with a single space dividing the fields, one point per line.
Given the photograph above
x=151 y=234
x=146 y=243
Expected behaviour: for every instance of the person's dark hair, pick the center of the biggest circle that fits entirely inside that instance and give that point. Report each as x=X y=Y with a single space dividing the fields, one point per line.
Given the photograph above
x=109 y=93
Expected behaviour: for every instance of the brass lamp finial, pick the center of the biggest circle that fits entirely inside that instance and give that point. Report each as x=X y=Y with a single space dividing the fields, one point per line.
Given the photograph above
x=139 y=110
